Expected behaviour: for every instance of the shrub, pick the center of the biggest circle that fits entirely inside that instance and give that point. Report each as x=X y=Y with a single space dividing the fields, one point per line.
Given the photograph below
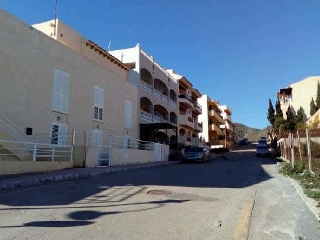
x=287 y=170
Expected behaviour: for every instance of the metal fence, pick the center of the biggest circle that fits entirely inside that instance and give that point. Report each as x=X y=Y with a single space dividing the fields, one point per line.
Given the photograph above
x=35 y=151
x=127 y=142
x=302 y=146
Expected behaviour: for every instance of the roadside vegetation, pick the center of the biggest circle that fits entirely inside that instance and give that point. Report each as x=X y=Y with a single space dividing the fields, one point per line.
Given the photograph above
x=291 y=121
x=310 y=182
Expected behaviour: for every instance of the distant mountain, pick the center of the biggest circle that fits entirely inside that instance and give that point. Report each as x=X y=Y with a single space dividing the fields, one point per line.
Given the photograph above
x=253 y=134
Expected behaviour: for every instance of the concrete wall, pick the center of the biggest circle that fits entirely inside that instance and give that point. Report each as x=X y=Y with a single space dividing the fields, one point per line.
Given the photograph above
x=131 y=156
x=27 y=65
x=17 y=167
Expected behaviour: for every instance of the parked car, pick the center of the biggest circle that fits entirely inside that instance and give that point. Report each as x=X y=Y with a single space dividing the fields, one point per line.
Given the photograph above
x=196 y=154
x=244 y=141
x=262 y=151
x=262 y=141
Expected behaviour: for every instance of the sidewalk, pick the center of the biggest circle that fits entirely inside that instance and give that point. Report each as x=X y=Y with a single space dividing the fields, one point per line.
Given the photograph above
x=18 y=181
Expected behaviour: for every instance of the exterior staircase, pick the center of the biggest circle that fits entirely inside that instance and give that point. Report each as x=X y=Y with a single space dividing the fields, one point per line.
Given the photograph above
x=14 y=141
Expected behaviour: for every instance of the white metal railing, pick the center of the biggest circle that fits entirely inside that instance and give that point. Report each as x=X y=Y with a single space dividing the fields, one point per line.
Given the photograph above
x=59 y=138
x=159 y=119
x=146 y=87
x=35 y=151
x=173 y=103
x=145 y=115
x=157 y=93
x=130 y=143
x=12 y=130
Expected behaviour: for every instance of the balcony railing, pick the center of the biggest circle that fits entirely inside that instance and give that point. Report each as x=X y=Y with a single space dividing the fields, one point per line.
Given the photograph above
x=158 y=94
x=153 y=118
x=146 y=87
x=173 y=103
x=159 y=119
x=145 y=115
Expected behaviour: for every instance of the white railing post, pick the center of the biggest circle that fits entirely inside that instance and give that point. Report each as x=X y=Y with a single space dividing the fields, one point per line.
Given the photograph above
x=71 y=154
x=34 y=154
x=52 y=157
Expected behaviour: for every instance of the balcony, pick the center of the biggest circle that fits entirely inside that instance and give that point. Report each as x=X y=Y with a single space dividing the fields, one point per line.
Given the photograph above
x=197 y=108
x=157 y=119
x=217 y=116
x=228 y=118
x=145 y=116
x=172 y=103
x=146 y=87
x=186 y=120
x=215 y=128
x=186 y=100
x=158 y=94
x=198 y=126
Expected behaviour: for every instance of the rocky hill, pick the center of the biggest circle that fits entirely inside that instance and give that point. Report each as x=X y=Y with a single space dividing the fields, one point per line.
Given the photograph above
x=253 y=134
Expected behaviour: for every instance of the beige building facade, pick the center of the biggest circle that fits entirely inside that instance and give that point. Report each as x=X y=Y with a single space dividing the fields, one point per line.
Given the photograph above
x=228 y=128
x=54 y=82
x=298 y=95
x=189 y=126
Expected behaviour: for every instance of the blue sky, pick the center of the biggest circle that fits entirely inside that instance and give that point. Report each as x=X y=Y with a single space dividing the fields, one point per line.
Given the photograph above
x=240 y=52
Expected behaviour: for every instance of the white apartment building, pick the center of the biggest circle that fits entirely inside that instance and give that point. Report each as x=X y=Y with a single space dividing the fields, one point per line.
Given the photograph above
x=158 y=92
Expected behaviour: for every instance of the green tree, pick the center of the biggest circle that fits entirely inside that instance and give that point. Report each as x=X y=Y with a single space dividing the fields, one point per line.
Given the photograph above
x=290 y=122
x=313 y=107
x=318 y=96
x=278 y=109
x=271 y=112
x=278 y=124
x=300 y=124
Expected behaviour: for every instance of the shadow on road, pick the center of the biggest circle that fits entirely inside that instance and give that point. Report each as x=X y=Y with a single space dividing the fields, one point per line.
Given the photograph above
x=237 y=169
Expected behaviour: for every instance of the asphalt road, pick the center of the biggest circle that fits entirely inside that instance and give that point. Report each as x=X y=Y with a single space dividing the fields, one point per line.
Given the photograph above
x=235 y=196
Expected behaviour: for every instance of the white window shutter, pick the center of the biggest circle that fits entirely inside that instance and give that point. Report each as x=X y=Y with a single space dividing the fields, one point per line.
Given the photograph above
x=98 y=103
x=60 y=99
x=65 y=93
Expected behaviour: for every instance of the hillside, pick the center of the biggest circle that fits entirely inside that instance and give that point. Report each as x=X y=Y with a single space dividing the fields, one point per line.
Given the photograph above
x=253 y=134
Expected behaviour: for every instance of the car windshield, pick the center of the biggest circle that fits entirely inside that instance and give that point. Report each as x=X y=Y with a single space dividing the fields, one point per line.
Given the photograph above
x=194 y=149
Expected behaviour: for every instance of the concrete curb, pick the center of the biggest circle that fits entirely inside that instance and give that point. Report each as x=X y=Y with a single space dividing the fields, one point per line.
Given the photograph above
x=310 y=202
x=38 y=179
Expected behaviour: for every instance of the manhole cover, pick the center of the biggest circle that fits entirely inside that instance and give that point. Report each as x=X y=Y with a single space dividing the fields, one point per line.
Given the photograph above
x=159 y=192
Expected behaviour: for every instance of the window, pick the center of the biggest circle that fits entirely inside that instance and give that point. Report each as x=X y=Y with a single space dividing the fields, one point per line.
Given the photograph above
x=128 y=114
x=59 y=134
x=60 y=91
x=98 y=104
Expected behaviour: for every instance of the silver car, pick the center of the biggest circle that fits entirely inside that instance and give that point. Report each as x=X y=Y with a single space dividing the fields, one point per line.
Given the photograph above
x=262 y=151
x=196 y=154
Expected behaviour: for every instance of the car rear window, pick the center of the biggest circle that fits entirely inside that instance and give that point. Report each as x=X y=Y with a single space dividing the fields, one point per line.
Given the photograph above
x=261 y=147
x=194 y=149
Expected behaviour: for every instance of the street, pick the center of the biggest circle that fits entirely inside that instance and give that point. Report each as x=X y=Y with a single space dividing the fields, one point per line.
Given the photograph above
x=234 y=196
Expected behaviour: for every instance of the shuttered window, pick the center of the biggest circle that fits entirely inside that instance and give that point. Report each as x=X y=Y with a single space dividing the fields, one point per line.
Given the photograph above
x=128 y=114
x=98 y=104
x=59 y=134
x=60 y=100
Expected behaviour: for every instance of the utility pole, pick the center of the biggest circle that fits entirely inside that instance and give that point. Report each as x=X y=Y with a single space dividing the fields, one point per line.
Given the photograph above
x=55 y=17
